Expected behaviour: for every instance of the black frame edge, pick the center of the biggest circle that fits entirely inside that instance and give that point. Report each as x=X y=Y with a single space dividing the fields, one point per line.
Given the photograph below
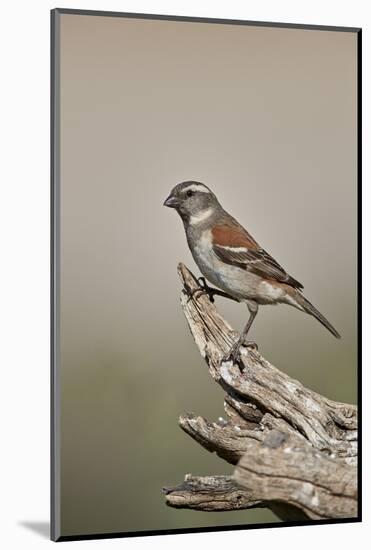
x=130 y=534
x=212 y=20
x=54 y=279
x=359 y=265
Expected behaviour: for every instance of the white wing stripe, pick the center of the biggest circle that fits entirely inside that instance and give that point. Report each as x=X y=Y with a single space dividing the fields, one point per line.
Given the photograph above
x=233 y=248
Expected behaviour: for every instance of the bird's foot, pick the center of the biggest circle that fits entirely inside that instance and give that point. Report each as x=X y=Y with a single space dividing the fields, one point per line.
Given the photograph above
x=205 y=289
x=250 y=344
x=234 y=354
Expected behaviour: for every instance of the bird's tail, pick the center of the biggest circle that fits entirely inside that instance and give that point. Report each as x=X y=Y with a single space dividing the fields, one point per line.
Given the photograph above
x=309 y=308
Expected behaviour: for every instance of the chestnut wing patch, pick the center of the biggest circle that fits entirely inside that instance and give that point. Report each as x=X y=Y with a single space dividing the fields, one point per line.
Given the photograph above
x=256 y=261
x=235 y=246
x=232 y=234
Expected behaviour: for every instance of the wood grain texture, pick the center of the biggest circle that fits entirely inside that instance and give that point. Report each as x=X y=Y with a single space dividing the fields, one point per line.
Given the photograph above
x=210 y=494
x=294 y=450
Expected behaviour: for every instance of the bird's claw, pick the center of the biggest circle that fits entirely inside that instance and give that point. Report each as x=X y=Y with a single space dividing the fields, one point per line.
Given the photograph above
x=250 y=344
x=205 y=289
x=234 y=353
x=201 y=291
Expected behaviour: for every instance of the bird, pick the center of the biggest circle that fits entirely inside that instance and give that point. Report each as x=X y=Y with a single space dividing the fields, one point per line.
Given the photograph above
x=232 y=260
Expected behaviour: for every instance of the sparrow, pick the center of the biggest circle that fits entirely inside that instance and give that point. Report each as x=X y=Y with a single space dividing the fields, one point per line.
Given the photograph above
x=232 y=260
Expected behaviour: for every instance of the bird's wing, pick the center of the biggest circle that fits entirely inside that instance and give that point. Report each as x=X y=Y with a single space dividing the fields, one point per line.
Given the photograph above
x=235 y=246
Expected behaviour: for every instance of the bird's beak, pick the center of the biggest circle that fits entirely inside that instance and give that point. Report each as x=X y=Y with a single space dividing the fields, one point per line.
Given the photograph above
x=171 y=202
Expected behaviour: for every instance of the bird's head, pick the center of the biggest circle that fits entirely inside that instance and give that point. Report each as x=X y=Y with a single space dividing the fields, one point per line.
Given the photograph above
x=193 y=200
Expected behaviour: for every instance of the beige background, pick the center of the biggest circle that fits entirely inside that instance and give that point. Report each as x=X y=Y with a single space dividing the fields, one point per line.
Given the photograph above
x=267 y=118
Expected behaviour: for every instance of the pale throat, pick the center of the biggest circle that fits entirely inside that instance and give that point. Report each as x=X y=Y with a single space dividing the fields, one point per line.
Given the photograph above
x=201 y=216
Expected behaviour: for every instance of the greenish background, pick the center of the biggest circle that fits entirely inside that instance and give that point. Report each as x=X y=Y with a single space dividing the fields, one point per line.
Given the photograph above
x=267 y=118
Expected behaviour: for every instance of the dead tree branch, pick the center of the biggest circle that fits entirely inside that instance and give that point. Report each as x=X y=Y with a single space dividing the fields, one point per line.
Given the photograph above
x=295 y=451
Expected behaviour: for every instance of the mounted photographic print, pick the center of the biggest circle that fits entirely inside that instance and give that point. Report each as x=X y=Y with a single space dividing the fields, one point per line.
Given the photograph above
x=205 y=281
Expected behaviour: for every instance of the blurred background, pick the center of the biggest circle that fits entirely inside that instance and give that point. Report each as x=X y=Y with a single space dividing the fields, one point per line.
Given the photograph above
x=267 y=118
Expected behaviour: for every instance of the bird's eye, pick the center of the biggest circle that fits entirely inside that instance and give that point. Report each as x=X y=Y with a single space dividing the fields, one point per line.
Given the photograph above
x=189 y=193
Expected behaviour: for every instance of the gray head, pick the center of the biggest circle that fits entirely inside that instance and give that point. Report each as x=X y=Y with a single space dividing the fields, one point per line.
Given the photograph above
x=193 y=201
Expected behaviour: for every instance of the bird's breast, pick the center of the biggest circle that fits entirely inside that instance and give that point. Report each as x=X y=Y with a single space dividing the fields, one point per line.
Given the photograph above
x=204 y=256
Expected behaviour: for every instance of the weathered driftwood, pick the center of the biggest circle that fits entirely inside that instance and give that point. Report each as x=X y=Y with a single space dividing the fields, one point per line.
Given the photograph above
x=211 y=494
x=295 y=451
